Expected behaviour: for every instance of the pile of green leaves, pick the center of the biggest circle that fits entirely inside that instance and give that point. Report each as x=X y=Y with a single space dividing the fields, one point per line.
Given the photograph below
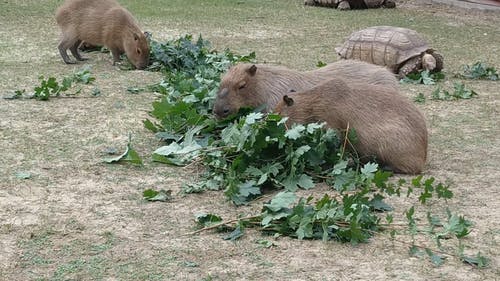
x=423 y=77
x=479 y=70
x=252 y=154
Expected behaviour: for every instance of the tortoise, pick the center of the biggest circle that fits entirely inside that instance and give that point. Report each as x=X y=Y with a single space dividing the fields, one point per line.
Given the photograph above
x=351 y=4
x=402 y=50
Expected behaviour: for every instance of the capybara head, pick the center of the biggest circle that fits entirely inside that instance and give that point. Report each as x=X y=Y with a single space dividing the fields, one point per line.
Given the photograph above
x=237 y=89
x=284 y=106
x=137 y=50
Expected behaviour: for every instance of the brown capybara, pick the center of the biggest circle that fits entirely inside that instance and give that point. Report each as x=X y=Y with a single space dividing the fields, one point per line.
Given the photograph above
x=255 y=85
x=101 y=22
x=388 y=126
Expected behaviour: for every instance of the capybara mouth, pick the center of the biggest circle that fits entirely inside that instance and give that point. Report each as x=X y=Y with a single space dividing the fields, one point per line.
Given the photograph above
x=221 y=112
x=142 y=66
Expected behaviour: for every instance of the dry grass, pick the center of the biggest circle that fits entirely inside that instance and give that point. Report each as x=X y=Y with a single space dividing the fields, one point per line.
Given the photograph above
x=79 y=219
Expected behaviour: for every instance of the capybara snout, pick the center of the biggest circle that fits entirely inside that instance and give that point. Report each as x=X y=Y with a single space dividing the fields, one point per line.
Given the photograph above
x=221 y=107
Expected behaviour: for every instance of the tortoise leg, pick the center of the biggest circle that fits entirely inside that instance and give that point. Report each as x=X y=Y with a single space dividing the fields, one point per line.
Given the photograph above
x=439 y=61
x=411 y=65
x=344 y=5
x=389 y=4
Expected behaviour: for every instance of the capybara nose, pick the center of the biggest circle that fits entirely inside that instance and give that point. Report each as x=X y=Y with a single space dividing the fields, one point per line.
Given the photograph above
x=221 y=112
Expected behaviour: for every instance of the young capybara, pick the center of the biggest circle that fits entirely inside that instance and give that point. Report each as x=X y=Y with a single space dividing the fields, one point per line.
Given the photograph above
x=388 y=126
x=254 y=85
x=101 y=22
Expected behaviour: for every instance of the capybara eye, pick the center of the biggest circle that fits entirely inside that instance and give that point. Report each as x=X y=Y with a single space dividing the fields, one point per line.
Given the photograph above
x=139 y=51
x=242 y=85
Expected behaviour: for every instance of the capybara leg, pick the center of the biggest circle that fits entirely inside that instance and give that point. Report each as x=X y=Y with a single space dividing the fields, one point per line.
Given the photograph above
x=65 y=44
x=116 y=55
x=74 y=51
x=344 y=5
x=64 y=55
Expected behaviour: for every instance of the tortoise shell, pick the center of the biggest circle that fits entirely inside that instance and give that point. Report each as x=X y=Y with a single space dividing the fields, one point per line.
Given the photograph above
x=384 y=45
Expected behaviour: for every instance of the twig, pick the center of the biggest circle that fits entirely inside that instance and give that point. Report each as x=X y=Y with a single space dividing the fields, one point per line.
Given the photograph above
x=345 y=141
x=222 y=223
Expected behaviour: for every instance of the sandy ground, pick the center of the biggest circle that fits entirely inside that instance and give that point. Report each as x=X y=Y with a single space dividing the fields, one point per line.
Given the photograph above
x=76 y=218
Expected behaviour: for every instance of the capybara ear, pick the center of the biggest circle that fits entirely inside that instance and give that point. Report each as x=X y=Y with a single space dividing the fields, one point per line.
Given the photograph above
x=288 y=100
x=252 y=69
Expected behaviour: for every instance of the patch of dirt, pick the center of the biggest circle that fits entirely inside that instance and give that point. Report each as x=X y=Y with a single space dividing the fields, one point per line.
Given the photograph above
x=80 y=219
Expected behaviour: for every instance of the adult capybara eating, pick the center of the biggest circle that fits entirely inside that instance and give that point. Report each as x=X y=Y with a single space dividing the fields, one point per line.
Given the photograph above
x=254 y=85
x=101 y=22
x=388 y=126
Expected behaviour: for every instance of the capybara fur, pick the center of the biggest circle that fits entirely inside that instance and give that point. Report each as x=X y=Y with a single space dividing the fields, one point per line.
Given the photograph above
x=101 y=22
x=255 y=85
x=388 y=126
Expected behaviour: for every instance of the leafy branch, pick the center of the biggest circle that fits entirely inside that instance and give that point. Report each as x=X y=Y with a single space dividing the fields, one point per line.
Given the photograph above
x=50 y=87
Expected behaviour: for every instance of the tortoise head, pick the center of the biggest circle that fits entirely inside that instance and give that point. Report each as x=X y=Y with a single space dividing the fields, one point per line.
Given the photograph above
x=428 y=62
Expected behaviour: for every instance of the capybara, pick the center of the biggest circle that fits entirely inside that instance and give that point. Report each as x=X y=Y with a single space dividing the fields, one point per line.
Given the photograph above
x=388 y=126
x=101 y=22
x=254 y=85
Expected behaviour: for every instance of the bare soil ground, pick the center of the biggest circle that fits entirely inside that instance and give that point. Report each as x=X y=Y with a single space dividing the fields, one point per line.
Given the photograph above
x=76 y=218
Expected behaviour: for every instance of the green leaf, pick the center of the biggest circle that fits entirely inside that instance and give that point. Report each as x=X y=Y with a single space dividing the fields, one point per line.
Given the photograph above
x=419 y=98
x=253 y=117
x=281 y=200
x=16 y=95
x=161 y=195
x=436 y=259
x=130 y=156
x=378 y=204
x=206 y=220
x=320 y=64
x=443 y=191
x=426 y=78
x=369 y=169
x=266 y=243
x=414 y=251
x=295 y=132
x=305 y=181
x=150 y=126
x=248 y=189
x=237 y=233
